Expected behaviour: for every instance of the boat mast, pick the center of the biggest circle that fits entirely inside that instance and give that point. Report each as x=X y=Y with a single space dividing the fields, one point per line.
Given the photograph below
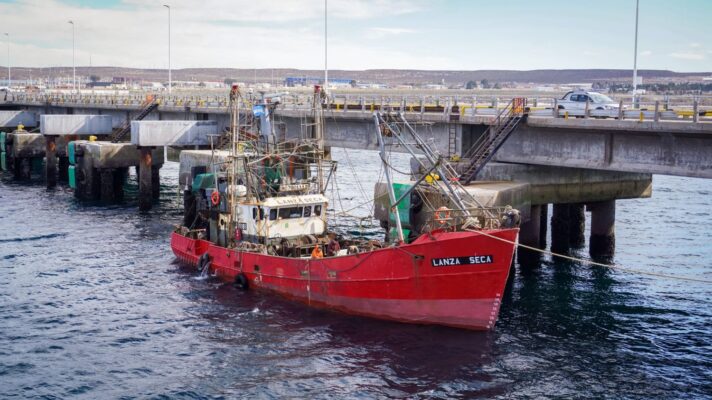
x=389 y=182
x=319 y=134
x=234 y=130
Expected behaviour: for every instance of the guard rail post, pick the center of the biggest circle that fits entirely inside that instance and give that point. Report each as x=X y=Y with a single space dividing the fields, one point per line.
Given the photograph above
x=621 y=111
x=695 y=111
x=555 y=109
x=587 y=110
x=656 y=116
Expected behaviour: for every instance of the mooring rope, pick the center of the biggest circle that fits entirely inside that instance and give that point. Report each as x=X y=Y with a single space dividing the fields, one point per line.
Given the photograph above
x=598 y=264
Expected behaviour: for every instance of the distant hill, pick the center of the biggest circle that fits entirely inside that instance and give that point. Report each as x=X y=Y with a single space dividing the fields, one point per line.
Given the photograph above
x=391 y=76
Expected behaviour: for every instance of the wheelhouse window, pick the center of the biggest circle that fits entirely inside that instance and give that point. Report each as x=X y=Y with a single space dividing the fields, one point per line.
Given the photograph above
x=273 y=214
x=307 y=211
x=317 y=210
x=290 y=212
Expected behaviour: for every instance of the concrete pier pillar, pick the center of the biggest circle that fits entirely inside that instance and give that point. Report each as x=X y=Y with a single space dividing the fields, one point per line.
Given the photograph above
x=63 y=169
x=530 y=230
x=190 y=209
x=87 y=178
x=119 y=178
x=22 y=168
x=155 y=182
x=145 y=175
x=106 y=179
x=529 y=236
x=577 y=225
x=560 y=228
x=543 y=225
x=603 y=237
x=51 y=161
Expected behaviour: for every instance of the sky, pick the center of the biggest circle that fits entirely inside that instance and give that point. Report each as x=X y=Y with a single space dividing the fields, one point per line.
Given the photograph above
x=362 y=34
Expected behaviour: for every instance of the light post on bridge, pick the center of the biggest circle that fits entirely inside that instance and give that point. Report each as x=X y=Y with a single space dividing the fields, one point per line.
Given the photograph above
x=9 y=71
x=74 y=66
x=170 y=82
x=635 y=56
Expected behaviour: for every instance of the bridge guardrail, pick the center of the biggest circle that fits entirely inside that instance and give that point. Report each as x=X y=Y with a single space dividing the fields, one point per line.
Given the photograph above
x=669 y=108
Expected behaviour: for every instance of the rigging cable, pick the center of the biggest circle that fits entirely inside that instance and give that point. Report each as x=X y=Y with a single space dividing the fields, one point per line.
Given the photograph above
x=591 y=262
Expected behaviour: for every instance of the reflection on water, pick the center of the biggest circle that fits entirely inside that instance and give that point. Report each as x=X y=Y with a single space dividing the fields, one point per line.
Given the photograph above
x=94 y=305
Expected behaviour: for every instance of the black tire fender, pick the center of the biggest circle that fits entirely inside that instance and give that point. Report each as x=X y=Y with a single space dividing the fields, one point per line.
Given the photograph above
x=241 y=281
x=202 y=261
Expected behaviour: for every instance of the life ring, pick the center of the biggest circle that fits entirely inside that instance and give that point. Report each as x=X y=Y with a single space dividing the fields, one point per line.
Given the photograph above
x=215 y=198
x=241 y=281
x=442 y=215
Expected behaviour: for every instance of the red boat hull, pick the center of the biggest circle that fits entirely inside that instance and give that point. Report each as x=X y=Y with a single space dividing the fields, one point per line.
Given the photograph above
x=449 y=278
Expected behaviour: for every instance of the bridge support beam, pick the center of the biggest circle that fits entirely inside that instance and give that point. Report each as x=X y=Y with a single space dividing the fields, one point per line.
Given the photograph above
x=63 y=169
x=106 y=177
x=603 y=238
x=529 y=235
x=145 y=179
x=543 y=224
x=87 y=179
x=560 y=228
x=529 y=231
x=155 y=182
x=51 y=161
x=22 y=168
x=190 y=208
x=577 y=225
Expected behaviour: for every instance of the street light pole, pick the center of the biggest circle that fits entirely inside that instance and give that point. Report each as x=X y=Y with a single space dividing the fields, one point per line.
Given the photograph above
x=74 y=66
x=170 y=81
x=635 y=55
x=9 y=71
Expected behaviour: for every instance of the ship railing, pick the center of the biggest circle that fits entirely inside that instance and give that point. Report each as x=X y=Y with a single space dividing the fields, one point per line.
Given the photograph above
x=477 y=218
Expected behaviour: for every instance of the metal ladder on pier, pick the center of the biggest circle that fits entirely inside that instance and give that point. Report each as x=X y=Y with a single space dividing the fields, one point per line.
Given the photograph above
x=452 y=139
x=150 y=104
x=493 y=138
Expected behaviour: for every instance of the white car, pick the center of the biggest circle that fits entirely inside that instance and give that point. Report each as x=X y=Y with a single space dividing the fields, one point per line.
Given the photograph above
x=577 y=99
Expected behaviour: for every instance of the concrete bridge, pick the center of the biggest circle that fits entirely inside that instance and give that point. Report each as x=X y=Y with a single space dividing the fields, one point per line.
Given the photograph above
x=576 y=161
x=652 y=139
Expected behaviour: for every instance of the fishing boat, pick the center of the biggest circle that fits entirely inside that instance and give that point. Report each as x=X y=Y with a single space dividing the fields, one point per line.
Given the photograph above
x=257 y=217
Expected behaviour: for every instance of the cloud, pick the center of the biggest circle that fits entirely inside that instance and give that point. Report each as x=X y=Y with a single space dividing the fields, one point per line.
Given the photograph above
x=646 y=53
x=377 y=33
x=590 y=53
x=209 y=33
x=688 y=55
